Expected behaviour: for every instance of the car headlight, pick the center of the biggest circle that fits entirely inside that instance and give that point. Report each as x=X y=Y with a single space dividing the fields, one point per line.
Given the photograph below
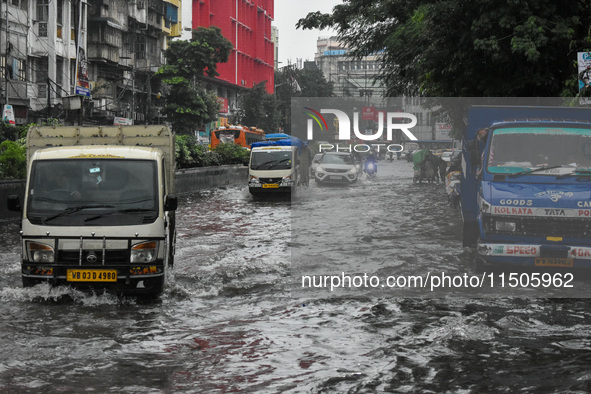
x=254 y=179
x=145 y=252
x=505 y=226
x=40 y=253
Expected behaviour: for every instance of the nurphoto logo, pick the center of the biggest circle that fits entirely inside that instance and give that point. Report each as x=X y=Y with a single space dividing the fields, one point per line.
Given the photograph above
x=392 y=120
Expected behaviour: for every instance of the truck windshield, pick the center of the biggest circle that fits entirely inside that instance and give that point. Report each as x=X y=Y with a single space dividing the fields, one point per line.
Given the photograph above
x=271 y=160
x=545 y=150
x=68 y=192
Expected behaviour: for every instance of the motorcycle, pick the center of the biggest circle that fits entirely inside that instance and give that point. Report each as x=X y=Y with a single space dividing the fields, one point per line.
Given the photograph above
x=371 y=169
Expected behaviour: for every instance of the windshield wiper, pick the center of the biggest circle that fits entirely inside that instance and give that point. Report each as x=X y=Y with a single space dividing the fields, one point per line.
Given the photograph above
x=127 y=210
x=71 y=210
x=279 y=162
x=532 y=170
x=262 y=164
x=585 y=172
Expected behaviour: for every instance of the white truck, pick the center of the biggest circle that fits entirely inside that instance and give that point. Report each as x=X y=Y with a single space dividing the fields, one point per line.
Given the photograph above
x=275 y=166
x=98 y=212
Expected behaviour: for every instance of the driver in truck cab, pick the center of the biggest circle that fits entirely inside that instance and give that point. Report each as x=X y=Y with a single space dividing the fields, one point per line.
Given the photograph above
x=62 y=180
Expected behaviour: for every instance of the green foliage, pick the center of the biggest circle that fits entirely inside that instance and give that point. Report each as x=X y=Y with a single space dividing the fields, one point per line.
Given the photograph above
x=260 y=109
x=189 y=153
x=233 y=154
x=292 y=82
x=12 y=160
x=188 y=104
x=458 y=48
x=12 y=133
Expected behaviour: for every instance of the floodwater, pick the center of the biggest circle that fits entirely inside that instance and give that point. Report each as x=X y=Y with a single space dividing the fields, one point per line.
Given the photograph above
x=234 y=316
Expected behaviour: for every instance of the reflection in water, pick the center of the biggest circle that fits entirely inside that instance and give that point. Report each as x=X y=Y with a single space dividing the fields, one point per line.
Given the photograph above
x=230 y=318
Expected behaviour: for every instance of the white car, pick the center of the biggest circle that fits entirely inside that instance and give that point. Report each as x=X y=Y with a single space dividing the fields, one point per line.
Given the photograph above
x=314 y=164
x=336 y=168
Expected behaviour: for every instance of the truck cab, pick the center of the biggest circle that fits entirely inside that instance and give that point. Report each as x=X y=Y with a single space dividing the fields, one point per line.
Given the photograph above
x=274 y=166
x=526 y=186
x=99 y=214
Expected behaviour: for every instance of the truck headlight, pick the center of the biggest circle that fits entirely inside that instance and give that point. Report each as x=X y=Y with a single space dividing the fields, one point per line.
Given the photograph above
x=287 y=180
x=40 y=253
x=254 y=179
x=505 y=226
x=144 y=253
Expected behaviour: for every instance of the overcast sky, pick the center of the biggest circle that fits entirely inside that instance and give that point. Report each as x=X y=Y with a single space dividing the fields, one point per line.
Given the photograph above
x=293 y=43
x=297 y=43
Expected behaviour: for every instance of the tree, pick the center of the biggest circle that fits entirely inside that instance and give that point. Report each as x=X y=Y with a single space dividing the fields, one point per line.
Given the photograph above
x=260 y=109
x=292 y=82
x=466 y=48
x=188 y=105
x=12 y=160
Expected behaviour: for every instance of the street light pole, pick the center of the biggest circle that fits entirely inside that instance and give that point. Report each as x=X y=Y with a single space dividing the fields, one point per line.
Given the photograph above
x=6 y=56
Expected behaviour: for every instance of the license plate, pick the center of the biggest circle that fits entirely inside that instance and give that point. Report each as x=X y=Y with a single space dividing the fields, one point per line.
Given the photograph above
x=553 y=262
x=92 y=275
x=270 y=186
x=334 y=177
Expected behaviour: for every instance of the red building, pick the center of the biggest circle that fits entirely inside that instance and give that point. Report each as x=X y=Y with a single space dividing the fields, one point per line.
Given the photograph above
x=247 y=24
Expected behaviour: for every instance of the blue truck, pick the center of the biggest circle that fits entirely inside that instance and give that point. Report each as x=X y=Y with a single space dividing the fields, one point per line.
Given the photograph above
x=526 y=185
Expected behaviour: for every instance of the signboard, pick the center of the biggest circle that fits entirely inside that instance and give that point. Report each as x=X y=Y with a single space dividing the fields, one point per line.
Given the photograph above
x=8 y=115
x=584 y=68
x=122 y=121
x=368 y=113
x=223 y=105
x=443 y=132
x=82 y=87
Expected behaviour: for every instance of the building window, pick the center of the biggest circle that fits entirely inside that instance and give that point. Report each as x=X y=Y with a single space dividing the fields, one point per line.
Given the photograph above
x=22 y=70
x=16 y=69
x=73 y=21
x=42 y=17
x=60 y=17
x=59 y=72
x=42 y=90
x=41 y=71
x=23 y=4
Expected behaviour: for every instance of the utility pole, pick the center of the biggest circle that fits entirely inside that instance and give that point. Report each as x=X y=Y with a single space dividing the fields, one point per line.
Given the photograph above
x=133 y=93
x=6 y=55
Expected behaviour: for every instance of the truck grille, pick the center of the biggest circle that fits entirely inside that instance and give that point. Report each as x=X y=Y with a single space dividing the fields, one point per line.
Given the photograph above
x=73 y=256
x=541 y=227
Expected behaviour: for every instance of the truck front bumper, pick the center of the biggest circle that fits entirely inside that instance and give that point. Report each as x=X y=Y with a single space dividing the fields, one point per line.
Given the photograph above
x=130 y=279
x=535 y=255
x=264 y=188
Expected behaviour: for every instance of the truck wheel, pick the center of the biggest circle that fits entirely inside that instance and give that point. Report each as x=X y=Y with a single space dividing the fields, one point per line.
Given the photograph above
x=29 y=282
x=480 y=265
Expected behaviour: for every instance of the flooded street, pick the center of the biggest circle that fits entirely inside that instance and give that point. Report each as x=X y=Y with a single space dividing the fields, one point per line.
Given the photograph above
x=234 y=316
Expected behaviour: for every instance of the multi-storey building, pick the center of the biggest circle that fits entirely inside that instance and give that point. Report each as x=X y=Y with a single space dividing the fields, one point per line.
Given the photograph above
x=126 y=41
x=351 y=77
x=16 y=61
x=357 y=78
x=247 y=25
x=116 y=44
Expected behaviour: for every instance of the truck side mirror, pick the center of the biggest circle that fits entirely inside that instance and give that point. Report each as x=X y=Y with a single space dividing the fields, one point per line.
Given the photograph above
x=13 y=203
x=171 y=203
